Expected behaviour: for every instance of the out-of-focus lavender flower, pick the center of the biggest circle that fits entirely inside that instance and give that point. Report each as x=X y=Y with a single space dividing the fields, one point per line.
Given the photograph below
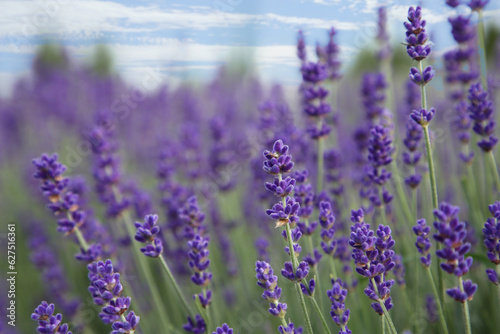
x=423 y=242
x=46 y=262
x=304 y=196
x=290 y=329
x=330 y=56
x=334 y=163
x=301 y=47
x=373 y=87
x=327 y=220
x=314 y=98
x=195 y=326
x=261 y=244
x=453 y=3
x=224 y=329
x=385 y=49
x=399 y=270
x=106 y=169
x=106 y=290
x=431 y=307
x=148 y=233
x=411 y=158
x=477 y=5
x=380 y=151
x=339 y=313
x=481 y=112
x=491 y=235
x=48 y=323
x=272 y=293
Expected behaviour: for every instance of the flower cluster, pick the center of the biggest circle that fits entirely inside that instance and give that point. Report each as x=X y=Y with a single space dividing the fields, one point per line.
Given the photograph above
x=373 y=257
x=54 y=188
x=423 y=243
x=290 y=329
x=106 y=289
x=451 y=233
x=491 y=234
x=411 y=158
x=106 y=169
x=304 y=196
x=147 y=233
x=339 y=313
x=224 y=329
x=272 y=292
x=196 y=326
x=314 y=98
x=373 y=88
x=327 y=221
x=329 y=55
x=380 y=151
x=198 y=249
x=63 y=202
x=48 y=323
x=481 y=113
x=477 y=5
x=416 y=36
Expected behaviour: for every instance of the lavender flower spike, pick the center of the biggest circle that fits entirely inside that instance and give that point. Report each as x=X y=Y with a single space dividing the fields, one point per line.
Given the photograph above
x=106 y=290
x=423 y=243
x=48 y=323
x=224 y=329
x=272 y=293
x=491 y=234
x=148 y=233
x=339 y=313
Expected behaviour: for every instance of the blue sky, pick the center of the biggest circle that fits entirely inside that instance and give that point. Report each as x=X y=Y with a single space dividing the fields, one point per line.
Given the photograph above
x=190 y=38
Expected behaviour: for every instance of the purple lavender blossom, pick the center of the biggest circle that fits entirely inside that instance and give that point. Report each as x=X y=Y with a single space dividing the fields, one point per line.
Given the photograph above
x=423 y=116
x=290 y=329
x=331 y=56
x=196 y=326
x=339 y=313
x=380 y=151
x=304 y=196
x=148 y=233
x=48 y=323
x=411 y=158
x=477 y=5
x=198 y=249
x=106 y=169
x=301 y=47
x=373 y=88
x=272 y=293
x=224 y=329
x=451 y=233
x=491 y=235
x=314 y=98
x=373 y=256
x=423 y=242
x=416 y=36
x=106 y=289
x=63 y=203
x=382 y=34
x=481 y=112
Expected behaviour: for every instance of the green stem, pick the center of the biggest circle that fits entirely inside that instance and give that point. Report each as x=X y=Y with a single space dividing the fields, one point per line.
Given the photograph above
x=332 y=265
x=494 y=169
x=173 y=282
x=439 y=304
x=322 y=318
x=400 y=193
x=303 y=306
x=432 y=172
x=81 y=239
x=482 y=50
x=382 y=320
x=466 y=309
x=283 y=323
x=386 y=313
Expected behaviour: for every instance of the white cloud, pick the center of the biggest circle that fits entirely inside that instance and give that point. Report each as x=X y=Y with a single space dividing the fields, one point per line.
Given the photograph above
x=86 y=19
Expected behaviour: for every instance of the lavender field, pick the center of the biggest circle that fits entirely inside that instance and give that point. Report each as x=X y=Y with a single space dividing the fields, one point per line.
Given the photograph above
x=364 y=199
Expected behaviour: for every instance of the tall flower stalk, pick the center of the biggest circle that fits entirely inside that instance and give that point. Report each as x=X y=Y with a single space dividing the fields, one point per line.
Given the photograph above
x=278 y=162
